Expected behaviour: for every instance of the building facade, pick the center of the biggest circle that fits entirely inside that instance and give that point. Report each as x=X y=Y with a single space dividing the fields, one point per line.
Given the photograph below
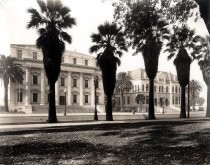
x=74 y=88
x=166 y=90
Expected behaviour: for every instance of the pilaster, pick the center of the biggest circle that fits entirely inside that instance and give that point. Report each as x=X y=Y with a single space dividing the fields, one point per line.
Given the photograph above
x=42 y=101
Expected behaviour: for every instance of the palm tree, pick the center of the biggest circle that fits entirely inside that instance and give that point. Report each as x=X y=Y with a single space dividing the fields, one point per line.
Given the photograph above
x=195 y=88
x=108 y=44
x=145 y=29
x=10 y=72
x=52 y=18
x=123 y=84
x=183 y=38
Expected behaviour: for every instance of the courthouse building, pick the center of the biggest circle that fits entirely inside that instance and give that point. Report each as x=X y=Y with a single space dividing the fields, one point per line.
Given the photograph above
x=75 y=83
x=166 y=88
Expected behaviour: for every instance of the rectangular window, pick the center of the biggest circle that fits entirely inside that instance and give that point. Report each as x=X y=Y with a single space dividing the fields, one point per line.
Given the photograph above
x=62 y=100
x=142 y=87
x=159 y=89
x=172 y=89
x=147 y=87
x=74 y=82
x=166 y=89
x=147 y=100
x=176 y=90
x=19 y=53
x=128 y=100
x=35 y=97
x=86 y=83
x=86 y=62
x=74 y=98
x=97 y=99
x=62 y=81
x=34 y=55
x=176 y=100
x=19 y=97
x=35 y=79
x=86 y=99
x=74 y=61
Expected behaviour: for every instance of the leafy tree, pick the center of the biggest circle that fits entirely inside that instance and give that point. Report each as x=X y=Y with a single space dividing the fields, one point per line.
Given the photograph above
x=50 y=22
x=145 y=28
x=108 y=44
x=204 y=6
x=202 y=48
x=10 y=71
x=200 y=101
x=123 y=84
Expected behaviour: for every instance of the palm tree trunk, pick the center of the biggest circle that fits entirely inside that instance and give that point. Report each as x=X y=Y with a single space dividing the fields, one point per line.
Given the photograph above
x=208 y=101
x=183 y=110
x=52 y=109
x=109 y=109
x=6 y=108
x=151 y=112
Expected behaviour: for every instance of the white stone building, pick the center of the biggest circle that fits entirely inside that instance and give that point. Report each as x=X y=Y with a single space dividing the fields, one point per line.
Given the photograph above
x=166 y=86
x=75 y=83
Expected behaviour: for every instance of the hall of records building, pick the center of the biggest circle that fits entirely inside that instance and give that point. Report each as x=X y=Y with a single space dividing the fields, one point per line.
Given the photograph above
x=75 y=83
x=166 y=87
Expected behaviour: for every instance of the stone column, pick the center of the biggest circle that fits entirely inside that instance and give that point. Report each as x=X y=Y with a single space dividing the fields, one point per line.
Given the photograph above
x=57 y=93
x=92 y=91
x=81 y=89
x=28 y=93
x=69 y=89
x=11 y=93
x=42 y=101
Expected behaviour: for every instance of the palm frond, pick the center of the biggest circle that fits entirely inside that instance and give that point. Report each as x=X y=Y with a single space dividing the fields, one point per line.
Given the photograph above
x=36 y=19
x=94 y=48
x=64 y=11
x=66 y=37
x=67 y=22
x=42 y=6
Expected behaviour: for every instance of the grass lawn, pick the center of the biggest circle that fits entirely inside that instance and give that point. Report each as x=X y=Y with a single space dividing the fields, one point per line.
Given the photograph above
x=145 y=142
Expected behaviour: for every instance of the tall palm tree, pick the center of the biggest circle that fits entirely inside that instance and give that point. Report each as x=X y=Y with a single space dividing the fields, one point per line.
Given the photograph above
x=108 y=44
x=123 y=84
x=10 y=71
x=195 y=88
x=182 y=39
x=145 y=29
x=50 y=22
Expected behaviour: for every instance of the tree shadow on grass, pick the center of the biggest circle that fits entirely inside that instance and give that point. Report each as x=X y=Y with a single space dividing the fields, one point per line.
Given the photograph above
x=150 y=143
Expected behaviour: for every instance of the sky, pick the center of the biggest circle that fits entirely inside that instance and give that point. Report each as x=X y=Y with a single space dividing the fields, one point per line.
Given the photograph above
x=89 y=15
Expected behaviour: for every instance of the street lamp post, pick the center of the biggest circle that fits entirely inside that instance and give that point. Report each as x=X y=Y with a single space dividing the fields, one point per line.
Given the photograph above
x=65 y=102
x=95 y=86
